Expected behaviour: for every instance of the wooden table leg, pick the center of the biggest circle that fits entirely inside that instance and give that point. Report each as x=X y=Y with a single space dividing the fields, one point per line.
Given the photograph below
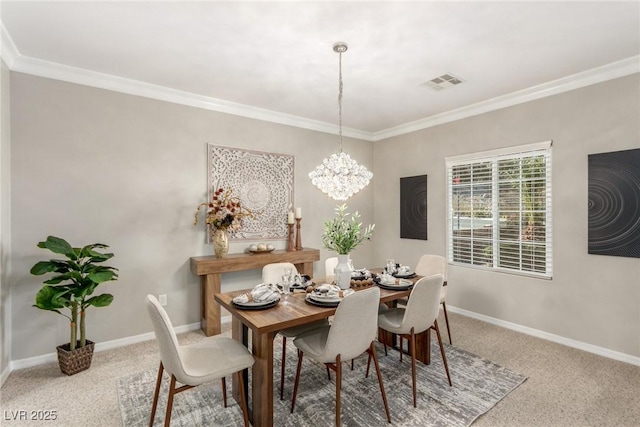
x=210 y=316
x=423 y=347
x=262 y=379
x=239 y=332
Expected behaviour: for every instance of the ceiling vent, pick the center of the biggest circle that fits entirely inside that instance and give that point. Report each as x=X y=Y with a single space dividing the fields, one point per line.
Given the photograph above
x=444 y=81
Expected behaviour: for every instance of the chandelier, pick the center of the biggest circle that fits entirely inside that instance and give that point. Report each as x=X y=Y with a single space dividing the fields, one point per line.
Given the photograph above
x=340 y=176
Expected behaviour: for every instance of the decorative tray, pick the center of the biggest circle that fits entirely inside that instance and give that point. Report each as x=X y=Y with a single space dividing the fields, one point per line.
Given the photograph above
x=265 y=251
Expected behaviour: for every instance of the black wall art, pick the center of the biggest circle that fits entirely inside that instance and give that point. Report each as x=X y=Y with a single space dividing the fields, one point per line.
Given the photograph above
x=614 y=203
x=413 y=207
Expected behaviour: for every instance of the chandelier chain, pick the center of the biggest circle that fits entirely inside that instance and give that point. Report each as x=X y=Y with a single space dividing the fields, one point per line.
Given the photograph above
x=340 y=100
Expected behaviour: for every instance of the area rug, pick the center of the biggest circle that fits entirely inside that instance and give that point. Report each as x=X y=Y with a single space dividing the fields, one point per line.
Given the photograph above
x=478 y=384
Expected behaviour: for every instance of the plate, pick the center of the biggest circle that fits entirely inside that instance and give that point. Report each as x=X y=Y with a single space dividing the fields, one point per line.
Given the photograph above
x=404 y=276
x=328 y=299
x=395 y=287
x=321 y=303
x=256 y=305
x=266 y=251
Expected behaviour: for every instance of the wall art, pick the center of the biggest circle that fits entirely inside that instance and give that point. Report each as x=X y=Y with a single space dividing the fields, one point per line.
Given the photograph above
x=413 y=207
x=263 y=182
x=614 y=203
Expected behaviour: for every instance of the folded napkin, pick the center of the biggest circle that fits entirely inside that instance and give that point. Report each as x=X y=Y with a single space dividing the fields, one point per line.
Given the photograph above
x=261 y=293
x=331 y=291
x=363 y=272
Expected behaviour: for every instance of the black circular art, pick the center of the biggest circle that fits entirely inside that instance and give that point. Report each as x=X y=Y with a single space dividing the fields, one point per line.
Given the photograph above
x=614 y=203
x=413 y=207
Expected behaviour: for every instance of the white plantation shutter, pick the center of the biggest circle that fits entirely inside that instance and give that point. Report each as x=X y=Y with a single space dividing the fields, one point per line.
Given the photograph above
x=499 y=210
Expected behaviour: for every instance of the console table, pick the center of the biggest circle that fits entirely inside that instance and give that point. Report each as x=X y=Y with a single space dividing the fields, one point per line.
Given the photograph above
x=209 y=268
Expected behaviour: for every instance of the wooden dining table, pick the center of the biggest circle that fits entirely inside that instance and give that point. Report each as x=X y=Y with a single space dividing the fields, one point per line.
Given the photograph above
x=292 y=310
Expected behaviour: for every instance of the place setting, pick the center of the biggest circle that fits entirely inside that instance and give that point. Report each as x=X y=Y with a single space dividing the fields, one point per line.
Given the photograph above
x=394 y=277
x=264 y=295
x=327 y=295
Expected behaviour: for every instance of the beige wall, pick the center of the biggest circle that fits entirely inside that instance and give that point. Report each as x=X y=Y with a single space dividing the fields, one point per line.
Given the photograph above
x=5 y=218
x=97 y=166
x=91 y=165
x=592 y=299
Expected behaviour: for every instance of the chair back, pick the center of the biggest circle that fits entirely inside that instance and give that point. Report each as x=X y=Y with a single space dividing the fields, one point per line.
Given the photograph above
x=424 y=304
x=272 y=273
x=330 y=265
x=166 y=337
x=428 y=265
x=354 y=325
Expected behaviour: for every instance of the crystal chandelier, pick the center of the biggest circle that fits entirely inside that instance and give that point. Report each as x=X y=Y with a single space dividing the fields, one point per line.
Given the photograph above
x=340 y=176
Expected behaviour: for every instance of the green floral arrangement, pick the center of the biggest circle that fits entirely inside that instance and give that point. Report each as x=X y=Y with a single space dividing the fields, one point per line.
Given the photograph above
x=344 y=232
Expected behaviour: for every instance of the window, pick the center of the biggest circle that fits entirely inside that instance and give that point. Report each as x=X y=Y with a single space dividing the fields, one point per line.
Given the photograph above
x=499 y=210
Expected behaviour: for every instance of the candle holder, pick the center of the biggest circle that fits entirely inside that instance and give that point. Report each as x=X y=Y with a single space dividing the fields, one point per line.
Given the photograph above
x=298 y=236
x=290 y=245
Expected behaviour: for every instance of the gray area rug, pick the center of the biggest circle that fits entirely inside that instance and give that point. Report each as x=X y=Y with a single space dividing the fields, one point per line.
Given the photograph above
x=478 y=384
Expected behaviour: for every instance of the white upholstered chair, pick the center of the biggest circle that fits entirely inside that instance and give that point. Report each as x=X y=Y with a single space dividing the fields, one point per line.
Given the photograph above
x=192 y=365
x=420 y=315
x=352 y=332
x=272 y=273
x=428 y=265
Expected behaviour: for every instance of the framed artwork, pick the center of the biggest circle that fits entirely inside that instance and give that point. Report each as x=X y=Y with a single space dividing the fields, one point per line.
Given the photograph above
x=614 y=203
x=413 y=207
x=263 y=182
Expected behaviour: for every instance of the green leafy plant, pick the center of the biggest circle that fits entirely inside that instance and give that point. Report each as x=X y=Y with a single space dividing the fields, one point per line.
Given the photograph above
x=344 y=232
x=73 y=283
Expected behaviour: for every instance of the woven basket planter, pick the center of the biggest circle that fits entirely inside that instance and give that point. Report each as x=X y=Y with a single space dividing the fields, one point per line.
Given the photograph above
x=78 y=360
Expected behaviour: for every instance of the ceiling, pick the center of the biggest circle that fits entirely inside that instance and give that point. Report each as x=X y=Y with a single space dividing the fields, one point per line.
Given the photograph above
x=275 y=59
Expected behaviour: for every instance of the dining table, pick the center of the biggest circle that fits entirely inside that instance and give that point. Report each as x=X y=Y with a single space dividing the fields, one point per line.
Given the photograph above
x=263 y=325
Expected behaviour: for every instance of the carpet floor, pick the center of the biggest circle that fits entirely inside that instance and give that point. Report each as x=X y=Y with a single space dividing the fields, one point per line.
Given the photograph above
x=478 y=384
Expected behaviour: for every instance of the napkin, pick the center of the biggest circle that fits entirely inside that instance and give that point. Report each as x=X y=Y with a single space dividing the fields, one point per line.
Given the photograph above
x=331 y=291
x=262 y=292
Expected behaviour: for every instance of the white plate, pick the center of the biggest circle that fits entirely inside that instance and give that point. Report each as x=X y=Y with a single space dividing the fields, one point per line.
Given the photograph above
x=333 y=298
x=257 y=303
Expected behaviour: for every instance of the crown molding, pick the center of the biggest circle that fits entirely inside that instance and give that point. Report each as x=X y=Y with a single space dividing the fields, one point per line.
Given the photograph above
x=596 y=75
x=8 y=50
x=19 y=63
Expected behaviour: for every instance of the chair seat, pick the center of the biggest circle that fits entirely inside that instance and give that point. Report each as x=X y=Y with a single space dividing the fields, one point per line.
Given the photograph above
x=313 y=344
x=211 y=359
x=301 y=329
x=391 y=320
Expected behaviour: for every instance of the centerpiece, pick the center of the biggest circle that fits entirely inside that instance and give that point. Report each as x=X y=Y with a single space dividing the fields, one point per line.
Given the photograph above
x=224 y=214
x=343 y=234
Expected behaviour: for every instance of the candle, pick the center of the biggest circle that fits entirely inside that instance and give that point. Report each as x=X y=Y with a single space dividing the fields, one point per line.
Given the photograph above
x=290 y=218
x=298 y=212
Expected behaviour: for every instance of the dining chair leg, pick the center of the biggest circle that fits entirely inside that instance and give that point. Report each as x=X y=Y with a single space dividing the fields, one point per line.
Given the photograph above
x=446 y=320
x=352 y=364
x=338 y=387
x=243 y=399
x=384 y=341
x=401 y=348
x=295 y=385
x=366 y=375
x=412 y=344
x=224 y=391
x=444 y=357
x=172 y=392
x=372 y=354
x=284 y=358
x=156 y=394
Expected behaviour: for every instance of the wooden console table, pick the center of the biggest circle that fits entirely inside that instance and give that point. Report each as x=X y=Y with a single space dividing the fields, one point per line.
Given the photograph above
x=209 y=269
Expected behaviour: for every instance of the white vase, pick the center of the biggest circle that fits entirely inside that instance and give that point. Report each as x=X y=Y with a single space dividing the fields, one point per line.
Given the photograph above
x=343 y=272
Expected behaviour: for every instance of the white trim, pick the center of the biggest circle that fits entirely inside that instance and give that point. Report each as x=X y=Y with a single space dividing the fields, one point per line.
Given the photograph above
x=590 y=348
x=19 y=63
x=108 y=345
x=5 y=374
x=506 y=151
x=601 y=74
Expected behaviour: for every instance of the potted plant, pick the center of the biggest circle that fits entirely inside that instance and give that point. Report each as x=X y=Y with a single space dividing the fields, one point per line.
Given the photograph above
x=343 y=234
x=71 y=287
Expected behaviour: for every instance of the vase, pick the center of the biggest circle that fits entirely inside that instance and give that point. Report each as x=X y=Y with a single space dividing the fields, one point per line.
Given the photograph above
x=343 y=272
x=220 y=242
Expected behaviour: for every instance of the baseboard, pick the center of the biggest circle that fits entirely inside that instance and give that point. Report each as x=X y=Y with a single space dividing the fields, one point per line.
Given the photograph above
x=600 y=351
x=5 y=374
x=108 y=345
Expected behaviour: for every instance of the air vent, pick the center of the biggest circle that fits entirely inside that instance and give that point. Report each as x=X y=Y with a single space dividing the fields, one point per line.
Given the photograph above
x=444 y=81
